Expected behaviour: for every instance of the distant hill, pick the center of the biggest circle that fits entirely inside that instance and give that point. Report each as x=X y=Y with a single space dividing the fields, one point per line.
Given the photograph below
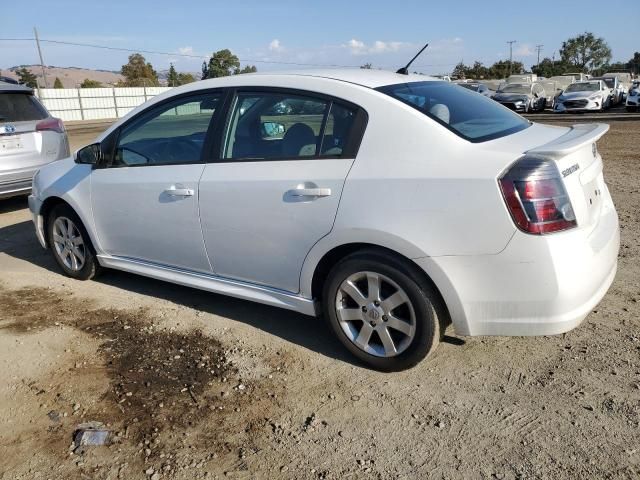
x=71 y=77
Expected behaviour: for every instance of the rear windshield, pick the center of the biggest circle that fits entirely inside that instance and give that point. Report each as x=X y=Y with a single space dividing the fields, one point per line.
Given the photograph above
x=20 y=107
x=473 y=117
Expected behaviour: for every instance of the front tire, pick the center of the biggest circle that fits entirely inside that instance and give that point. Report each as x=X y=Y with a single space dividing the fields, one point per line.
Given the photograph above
x=382 y=311
x=70 y=244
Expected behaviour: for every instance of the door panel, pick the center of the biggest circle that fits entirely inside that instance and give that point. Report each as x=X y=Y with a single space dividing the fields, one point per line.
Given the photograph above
x=258 y=221
x=137 y=216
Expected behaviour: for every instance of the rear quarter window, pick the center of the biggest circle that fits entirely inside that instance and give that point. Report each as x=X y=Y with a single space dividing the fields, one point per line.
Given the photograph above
x=471 y=116
x=20 y=107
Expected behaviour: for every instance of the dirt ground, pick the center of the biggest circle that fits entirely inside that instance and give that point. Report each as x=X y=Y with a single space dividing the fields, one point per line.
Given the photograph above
x=194 y=385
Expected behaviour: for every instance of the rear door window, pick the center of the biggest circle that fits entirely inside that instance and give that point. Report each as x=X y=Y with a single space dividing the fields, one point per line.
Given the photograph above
x=20 y=107
x=473 y=117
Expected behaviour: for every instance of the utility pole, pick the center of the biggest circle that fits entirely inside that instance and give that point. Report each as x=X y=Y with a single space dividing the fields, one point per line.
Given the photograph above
x=511 y=42
x=44 y=75
x=539 y=48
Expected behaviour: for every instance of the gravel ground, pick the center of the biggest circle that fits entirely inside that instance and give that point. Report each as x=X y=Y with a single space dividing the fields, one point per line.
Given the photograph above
x=195 y=385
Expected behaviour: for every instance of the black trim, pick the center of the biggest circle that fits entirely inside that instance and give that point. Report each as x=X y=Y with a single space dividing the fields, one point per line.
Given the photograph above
x=351 y=146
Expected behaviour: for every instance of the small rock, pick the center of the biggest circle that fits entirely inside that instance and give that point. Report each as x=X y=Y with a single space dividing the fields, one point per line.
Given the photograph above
x=76 y=407
x=155 y=476
x=440 y=424
x=149 y=471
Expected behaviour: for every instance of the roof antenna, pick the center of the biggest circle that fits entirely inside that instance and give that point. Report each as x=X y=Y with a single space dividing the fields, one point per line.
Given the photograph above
x=405 y=70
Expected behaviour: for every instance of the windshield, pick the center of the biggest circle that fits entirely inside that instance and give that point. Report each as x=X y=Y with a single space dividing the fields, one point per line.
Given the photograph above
x=473 y=117
x=20 y=107
x=583 y=87
x=610 y=82
x=470 y=86
x=515 y=88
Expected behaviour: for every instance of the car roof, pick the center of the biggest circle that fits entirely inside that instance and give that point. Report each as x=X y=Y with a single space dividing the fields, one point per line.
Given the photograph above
x=11 y=87
x=360 y=76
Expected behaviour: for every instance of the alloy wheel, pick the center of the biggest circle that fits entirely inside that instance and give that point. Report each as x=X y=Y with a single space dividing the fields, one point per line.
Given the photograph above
x=376 y=314
x=68 y=243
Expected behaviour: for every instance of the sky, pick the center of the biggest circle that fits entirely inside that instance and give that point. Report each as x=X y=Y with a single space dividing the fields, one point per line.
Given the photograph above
x=274 y=34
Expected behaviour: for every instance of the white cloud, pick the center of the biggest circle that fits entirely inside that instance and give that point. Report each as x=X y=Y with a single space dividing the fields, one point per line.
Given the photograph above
x=524 y=50
x=358 y=47
x=275 y=46
x=185 y=50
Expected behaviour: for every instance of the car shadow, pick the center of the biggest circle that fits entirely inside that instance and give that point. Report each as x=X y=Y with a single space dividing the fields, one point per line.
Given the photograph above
x=13 y=204
x=19 y=241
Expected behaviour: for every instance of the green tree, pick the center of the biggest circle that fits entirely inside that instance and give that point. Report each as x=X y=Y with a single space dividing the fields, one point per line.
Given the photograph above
x=550 y=68
x=88 y=83
x=459 y=71
x=184 y=78
x=247 y=69
x=205 y=71
x=25 y=77
x=138 y=72
x=58 y=83
x=222 y=64
x=586 y=52
x=172 y=77
x=502 y=68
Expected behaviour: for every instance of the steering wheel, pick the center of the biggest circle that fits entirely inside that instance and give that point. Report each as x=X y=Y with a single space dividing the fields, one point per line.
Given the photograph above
x=179 y=150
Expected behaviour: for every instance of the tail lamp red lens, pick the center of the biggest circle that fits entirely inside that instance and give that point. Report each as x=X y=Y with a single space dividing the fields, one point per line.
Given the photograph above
x=536 y=197
x=50 y=124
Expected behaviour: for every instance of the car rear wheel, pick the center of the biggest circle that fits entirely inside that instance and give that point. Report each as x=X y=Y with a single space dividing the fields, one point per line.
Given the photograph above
x=70 y=244
x=382 y=311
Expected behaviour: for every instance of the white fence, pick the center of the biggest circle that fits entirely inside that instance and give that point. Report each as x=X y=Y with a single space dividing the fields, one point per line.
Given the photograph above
x=95 y=103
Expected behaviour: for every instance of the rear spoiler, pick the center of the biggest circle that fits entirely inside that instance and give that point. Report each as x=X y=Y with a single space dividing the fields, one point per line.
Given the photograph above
x=576 y=138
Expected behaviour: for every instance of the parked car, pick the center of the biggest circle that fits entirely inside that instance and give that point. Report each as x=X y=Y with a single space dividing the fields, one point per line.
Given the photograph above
x=551 y=92
x=29 y=138
x=592 y=95
x=404 y=204
x=624 y=77
x=616 y=89
x=477 y=87
x=525 y=78
x=521 y=97
x=578 y=76
x=563 y=81
x=633 y=97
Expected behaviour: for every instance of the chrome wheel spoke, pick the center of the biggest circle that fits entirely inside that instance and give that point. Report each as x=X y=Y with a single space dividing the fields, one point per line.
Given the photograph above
x=400 y=325
x=394 y=301
x=78 y=254
x=354 y=293
x=57 y=238
x=373 y=284
x=349 y=314
x=77 y=240
x=362 y=340
x=387 y=342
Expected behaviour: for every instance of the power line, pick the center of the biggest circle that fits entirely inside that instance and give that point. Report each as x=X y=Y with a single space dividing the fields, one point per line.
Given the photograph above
x=201 y=57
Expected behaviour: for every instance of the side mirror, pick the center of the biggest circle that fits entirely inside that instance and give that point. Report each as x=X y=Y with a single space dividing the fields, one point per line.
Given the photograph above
x=89 y=155
x=272 y=130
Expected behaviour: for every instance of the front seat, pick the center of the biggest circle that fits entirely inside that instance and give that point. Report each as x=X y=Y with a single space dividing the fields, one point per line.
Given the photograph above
x=299 y=141
x=441 y=112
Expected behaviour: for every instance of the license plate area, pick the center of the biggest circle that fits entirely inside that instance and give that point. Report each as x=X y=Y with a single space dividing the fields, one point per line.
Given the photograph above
x=11 y=142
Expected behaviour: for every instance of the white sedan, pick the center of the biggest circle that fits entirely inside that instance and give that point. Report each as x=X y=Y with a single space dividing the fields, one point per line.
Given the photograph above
x=591 y=95
x=391 y=204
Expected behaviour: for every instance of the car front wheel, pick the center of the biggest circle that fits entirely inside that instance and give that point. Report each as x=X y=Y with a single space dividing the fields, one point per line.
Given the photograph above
x=70 y=244
x=382 y=311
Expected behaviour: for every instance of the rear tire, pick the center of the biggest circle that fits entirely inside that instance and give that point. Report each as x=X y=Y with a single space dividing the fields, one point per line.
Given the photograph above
x=70 y=244
x=382 y=310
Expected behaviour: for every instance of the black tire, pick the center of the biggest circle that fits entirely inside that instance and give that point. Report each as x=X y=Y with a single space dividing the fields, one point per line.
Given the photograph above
x=430 y=314
x=90 y=266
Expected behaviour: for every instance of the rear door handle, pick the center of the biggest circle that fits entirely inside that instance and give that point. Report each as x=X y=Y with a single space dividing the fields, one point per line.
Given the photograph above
x=310 y=192
x=179 y=191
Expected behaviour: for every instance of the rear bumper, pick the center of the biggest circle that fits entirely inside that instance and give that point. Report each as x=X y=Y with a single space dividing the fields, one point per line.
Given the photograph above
x=536 y=286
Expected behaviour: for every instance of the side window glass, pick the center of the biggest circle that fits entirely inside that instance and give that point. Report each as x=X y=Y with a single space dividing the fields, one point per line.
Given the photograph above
x=338 y=130
x=172 y=133
x=267 y=126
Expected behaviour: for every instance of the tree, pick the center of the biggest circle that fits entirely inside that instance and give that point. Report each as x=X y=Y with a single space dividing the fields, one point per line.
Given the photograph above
x=184 y=78
x=366 y=66
x=222 y=64
x=138 y=72
x=459 y=71
x=25 y=77
x=172 y=77
x=205 y=71
x=586 y=52
x=247 y=69
x=550 y=68
x=502 y=68
x=58 y=83
x=88 y=83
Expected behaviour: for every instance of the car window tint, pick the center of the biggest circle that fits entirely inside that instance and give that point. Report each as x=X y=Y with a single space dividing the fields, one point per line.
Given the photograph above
x=275 y=126
x=172 y=133
x=471 y=116
x=20 y=107
x=338 y=130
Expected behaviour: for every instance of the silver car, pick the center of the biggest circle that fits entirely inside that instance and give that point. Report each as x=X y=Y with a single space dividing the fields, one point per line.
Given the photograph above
x=29 y=139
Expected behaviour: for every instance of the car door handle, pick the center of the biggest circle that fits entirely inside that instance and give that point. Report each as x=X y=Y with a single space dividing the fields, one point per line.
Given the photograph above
x=179 y=191
x=310 y=192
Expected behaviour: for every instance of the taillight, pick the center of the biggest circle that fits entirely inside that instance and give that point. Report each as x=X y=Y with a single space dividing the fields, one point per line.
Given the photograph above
x=536 y=197
x=50 y=124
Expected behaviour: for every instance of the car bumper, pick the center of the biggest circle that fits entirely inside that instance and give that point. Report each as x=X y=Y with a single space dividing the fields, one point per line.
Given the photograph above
x=588 y=106
x=516 y=107
x=633 y=101
x=538 y=285
x=35 y=205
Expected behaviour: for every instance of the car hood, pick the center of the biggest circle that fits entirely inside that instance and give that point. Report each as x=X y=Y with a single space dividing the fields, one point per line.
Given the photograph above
x=511 y=97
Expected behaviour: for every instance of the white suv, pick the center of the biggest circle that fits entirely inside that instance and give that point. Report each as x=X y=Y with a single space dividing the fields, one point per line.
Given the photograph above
x=392 y=204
